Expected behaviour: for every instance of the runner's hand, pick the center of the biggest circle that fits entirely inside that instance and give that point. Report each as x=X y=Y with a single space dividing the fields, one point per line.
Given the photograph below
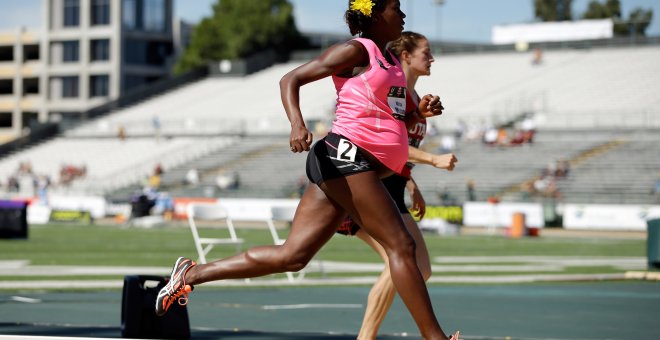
x=300 y=139
x=430 y=106
x=446 y=161
x=418 y=203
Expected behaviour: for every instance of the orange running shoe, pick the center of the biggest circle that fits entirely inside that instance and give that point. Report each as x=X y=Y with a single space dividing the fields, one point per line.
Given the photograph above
x=176 y=289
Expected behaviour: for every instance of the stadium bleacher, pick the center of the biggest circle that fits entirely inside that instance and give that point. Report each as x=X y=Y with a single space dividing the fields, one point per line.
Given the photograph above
x=248 y=105
x=570 y=89
x=110 y=163
x=247 y=158
x=579 y=100
x=626 y=174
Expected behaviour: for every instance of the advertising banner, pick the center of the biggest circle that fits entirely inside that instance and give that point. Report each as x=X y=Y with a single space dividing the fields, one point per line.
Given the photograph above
x=609 y=216
x=484 y=214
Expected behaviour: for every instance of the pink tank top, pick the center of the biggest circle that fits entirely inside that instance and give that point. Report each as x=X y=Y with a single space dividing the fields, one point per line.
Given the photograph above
x=371 y=108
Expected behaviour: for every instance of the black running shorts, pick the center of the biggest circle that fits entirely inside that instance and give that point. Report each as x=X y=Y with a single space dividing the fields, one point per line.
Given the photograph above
x=335 y=156
x=396 y=186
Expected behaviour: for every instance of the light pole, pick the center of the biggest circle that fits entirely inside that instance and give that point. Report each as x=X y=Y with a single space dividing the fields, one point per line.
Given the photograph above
x=438 y=21
x=409 y=15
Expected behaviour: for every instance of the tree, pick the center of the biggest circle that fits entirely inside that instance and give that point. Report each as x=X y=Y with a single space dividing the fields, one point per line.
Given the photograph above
x=637 y=22
x=640 y=20
x=240 y=28
x=595 y=10
x=611 y=9
x=553 y=10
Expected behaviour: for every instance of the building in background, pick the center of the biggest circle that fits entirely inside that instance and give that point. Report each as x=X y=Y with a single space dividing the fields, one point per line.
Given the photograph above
x=86 y=53
x=21 y=69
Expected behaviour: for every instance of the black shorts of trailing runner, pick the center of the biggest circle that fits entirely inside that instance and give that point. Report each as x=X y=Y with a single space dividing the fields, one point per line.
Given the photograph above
x=396 y=186
x=333 y=157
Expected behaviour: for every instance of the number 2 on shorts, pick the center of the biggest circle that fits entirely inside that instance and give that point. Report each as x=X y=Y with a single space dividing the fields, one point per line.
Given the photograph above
x=346 y=150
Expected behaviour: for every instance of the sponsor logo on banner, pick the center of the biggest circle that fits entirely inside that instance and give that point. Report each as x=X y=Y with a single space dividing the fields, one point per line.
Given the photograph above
x=71 y=216
x=450 y=213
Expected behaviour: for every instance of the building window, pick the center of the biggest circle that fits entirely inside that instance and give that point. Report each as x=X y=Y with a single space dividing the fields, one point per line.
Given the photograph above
x=70 y=51
x=6 y=119
x=129 y=17
x=100 y=12
x=154 y=15
x=71 y=13
x=69 y=87
x=6 y=86
x=30 y=86
x=135 y=52
x=100 y=50
x=99 y=86
x=30 y=52
x=138 y=52
x=6 y=53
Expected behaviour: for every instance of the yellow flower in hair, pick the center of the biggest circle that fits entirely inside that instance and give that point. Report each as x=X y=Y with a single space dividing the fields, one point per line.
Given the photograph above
x=363 y=6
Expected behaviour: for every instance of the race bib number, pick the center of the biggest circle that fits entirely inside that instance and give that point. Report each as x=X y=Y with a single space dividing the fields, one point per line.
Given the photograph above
x=346 y=150
x=396 y=98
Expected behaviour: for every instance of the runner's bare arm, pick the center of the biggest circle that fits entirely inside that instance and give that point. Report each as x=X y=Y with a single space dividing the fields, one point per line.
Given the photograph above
x=342 y=59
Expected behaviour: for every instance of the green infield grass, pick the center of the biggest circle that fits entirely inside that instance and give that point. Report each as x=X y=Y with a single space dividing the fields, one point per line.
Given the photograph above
x=112 y=245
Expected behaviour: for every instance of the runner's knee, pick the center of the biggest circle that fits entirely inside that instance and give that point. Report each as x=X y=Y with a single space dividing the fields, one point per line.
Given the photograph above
x=403 y=249
x=296 y=262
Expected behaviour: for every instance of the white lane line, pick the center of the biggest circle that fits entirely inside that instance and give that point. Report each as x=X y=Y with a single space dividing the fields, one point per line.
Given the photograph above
x=24 y=299
x=28 y=337
x=312 y=305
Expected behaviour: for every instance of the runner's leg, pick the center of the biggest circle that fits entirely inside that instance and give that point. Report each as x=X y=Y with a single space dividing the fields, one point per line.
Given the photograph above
x=315 y=222
x=364 y=197
x=380 y=296
x=382 y=293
